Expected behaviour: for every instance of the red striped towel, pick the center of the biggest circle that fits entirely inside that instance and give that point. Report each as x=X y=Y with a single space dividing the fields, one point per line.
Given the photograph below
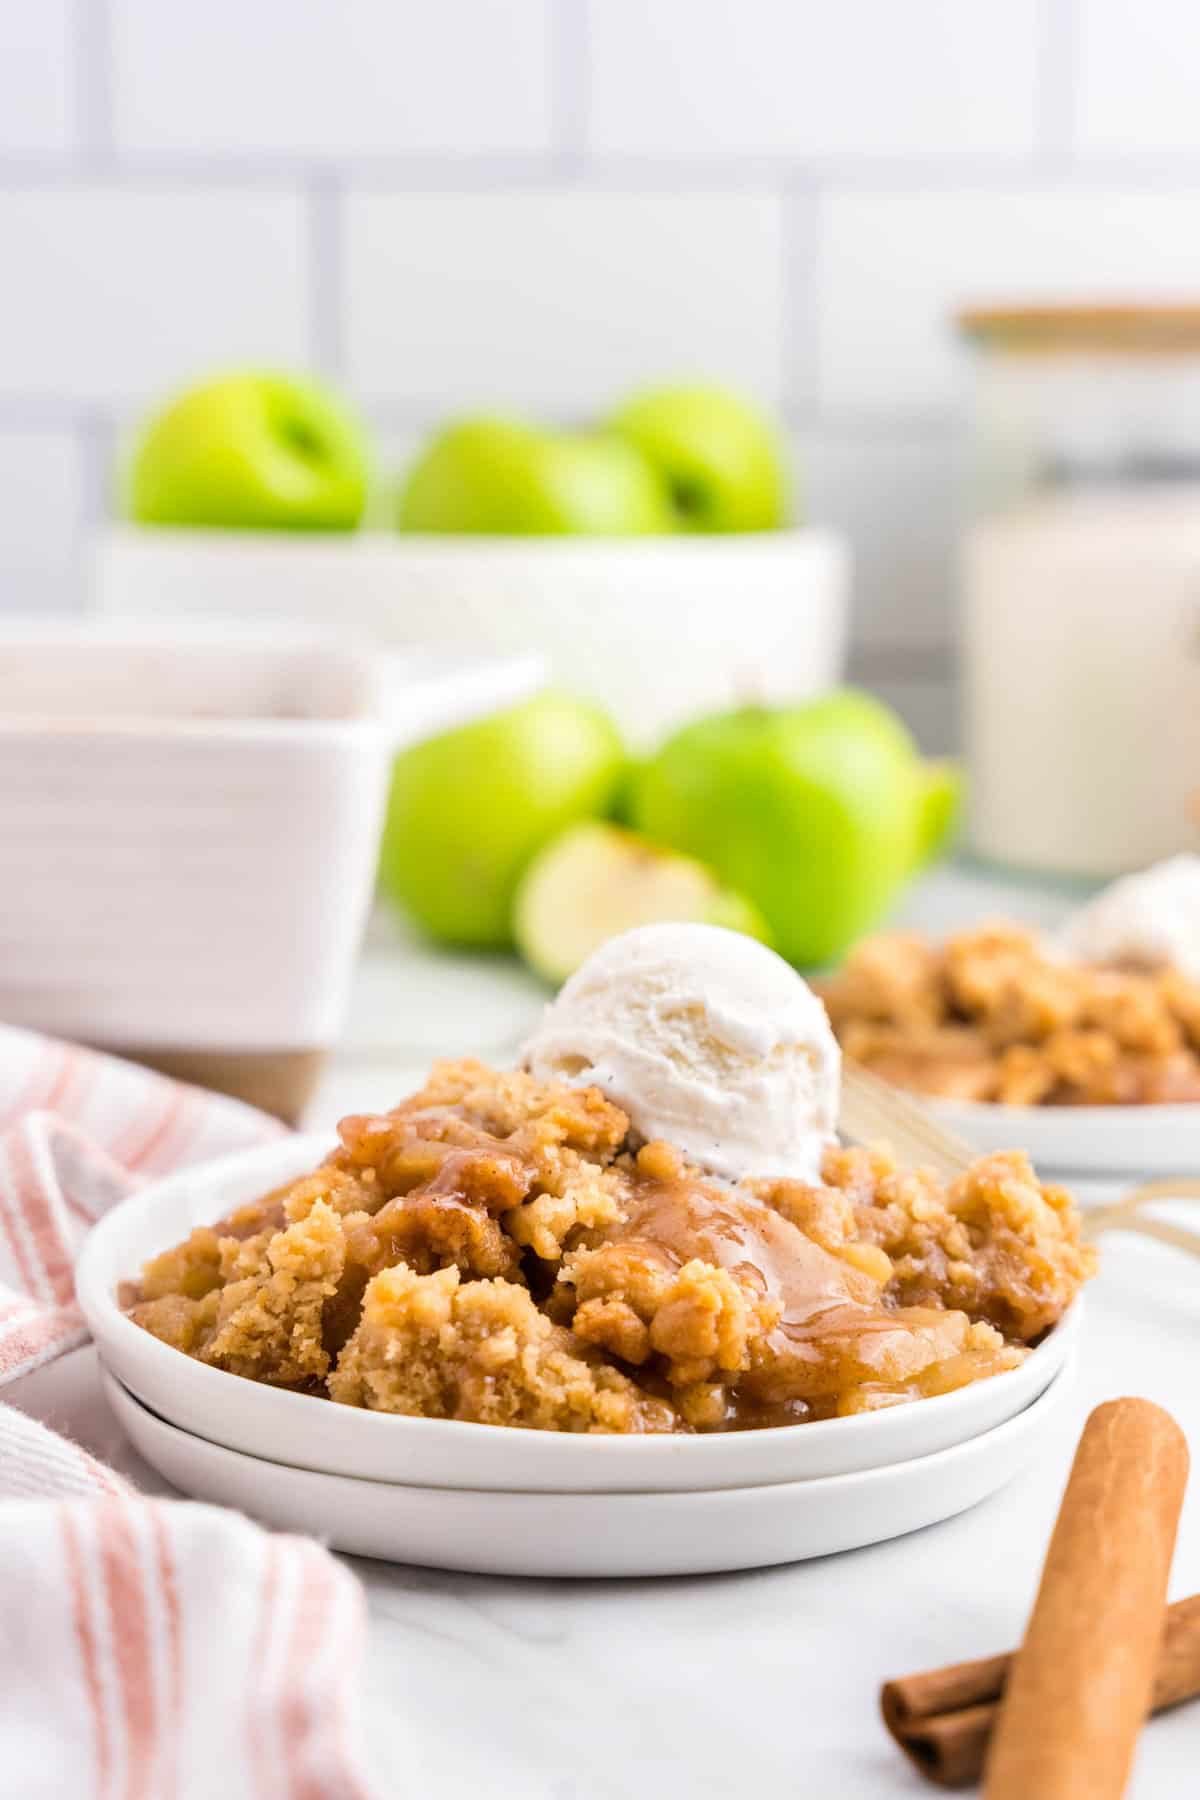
x=149 y=1649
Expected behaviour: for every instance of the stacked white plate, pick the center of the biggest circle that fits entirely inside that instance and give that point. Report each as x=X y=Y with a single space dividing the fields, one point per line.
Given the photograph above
x=518 y=1502
x=1111 y=1141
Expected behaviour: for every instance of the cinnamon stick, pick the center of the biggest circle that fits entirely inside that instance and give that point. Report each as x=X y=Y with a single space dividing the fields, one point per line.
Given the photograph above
x=943 y=1718
x=1082 y=1681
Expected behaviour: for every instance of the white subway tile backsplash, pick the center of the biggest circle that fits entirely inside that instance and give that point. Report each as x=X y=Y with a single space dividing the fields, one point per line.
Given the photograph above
x=41 y=514
x=37 y=72
x=1139 y=61
x=897 y=500
x=539 y=204
x=111 y=294
x=332 y=77
x=893 y=267
x=813 y=79
x=559 y=300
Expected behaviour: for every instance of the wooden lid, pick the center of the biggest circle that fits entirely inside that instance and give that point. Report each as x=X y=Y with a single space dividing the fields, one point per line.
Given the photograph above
x=1108 y=325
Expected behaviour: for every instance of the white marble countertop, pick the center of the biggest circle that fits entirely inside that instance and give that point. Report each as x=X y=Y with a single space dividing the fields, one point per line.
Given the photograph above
x=722 y=1685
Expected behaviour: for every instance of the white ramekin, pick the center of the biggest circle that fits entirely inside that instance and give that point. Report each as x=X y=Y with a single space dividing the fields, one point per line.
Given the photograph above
x=189 y=826
x=658 y=629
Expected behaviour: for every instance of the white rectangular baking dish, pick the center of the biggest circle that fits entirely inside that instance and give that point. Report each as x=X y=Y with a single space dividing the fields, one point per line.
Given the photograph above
x=189 y=825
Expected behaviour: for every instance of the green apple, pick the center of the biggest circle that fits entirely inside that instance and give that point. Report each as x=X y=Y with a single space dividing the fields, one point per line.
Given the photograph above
x=505 y=478
x=470 y=809
x=257 y=450
x=940 y=808
x=818 y=812
x=596 y=880
x=720 y=458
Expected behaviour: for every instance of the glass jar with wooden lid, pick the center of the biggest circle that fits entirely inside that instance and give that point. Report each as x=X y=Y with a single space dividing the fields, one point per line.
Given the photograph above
x=1081 y=584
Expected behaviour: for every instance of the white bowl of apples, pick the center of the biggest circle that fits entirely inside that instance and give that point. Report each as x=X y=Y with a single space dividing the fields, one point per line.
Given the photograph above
x=648 y=559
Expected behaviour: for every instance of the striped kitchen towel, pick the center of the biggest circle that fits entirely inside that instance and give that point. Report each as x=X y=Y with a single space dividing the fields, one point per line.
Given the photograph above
x=149 y=1649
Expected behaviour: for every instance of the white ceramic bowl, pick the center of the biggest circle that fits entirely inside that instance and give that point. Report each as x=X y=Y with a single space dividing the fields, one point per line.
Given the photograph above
x=658 y=629
x=191 y=819
x=547 y=1534
x=306 y=1432
x=1130 y=1141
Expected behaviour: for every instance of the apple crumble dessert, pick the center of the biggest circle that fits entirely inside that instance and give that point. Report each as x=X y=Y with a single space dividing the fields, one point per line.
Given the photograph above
x=997 y=1014
x=506 y=1249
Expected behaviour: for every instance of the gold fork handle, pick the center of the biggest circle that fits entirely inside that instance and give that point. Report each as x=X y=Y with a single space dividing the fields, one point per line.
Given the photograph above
x=1125 y=1215
x=1160 y=1229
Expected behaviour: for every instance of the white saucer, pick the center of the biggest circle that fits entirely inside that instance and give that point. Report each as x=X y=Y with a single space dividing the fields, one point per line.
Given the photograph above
x=597 y=1534
x=1138 y=1141
x=310 y=1433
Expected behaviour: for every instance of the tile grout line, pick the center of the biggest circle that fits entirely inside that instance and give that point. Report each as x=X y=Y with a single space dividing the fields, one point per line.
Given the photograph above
x=92 y=35
x=38 y=412
x=801 y=330
x=570 y=88
x=569 y=171
x=326 y=240
x=1056 y=87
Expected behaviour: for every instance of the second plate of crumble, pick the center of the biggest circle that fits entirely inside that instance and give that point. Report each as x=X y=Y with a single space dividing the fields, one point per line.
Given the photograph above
x=1090 y=1067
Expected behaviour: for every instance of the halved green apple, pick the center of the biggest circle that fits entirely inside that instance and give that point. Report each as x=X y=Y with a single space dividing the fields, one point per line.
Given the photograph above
x=596 y=880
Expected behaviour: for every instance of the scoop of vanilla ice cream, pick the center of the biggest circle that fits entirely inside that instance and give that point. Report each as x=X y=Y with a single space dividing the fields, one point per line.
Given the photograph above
x=1149 y=919
x=705 y=1038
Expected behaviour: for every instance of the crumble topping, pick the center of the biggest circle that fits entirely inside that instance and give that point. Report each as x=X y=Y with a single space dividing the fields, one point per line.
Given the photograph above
x=989 y=1015
x=495 y=1249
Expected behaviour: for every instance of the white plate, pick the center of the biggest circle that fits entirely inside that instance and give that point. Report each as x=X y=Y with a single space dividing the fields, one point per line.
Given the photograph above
x=599 y=1534
x=341 y=1440
x=1084 y=1140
